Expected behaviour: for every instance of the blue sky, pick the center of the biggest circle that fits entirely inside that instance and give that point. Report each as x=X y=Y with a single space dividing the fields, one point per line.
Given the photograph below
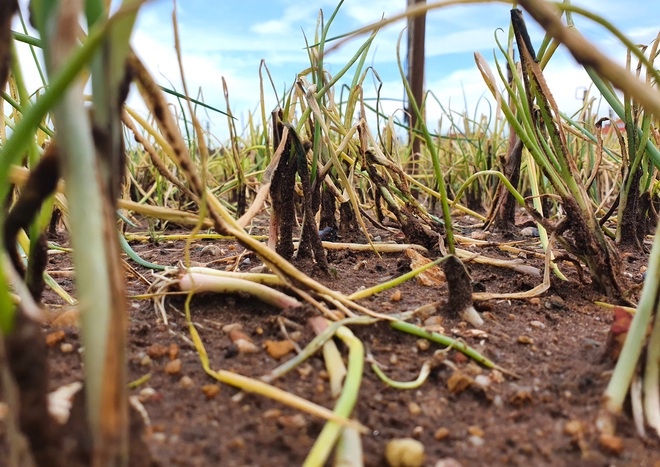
x=229 y=39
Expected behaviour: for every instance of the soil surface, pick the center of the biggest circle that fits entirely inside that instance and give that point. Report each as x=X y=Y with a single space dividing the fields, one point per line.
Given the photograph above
x=556 y=343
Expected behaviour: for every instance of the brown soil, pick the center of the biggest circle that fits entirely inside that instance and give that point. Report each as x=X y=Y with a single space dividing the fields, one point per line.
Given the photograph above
x=556 y=343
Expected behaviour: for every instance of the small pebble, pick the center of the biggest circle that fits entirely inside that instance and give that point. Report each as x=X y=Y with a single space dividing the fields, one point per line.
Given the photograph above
x=272 y=413
x=173 y=351
x=173 y=367
x=476 y=441
x=418 y=431
x=529 y=232
x=394 y=359
x=396 y=296
x=441 y=433
x=480 y=234
x=448 y=462
x=423 y=344
x=292 y=421
x=186 y=382
x=414 y=408
x=211 y=250
x=278 y=349
x=555 y=301
x=237 y=444
x=537 y=324
x=404 y=452
x=147 y=394
x=535 y=301
x=304 y=370
x=146 y=361
x=66 y=347
x=210 y=390
x=159 y=437
x=525 y=340
x=54 y=338
x=482 y=381
x=228 y=328
x=476 y=431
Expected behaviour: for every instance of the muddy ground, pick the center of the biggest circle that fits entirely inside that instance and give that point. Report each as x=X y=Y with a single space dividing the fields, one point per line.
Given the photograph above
x=555 y=342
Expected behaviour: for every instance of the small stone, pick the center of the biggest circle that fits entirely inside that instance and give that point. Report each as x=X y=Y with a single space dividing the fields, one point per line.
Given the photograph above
x=537 y=324
x=272 y=413
x=396 y=296
x=237 y=444
x=147 y=394
x=535 y=301
x=574 y=428
x=157 y=351
x=278 y=349
x=173 y=367
x=418 y=431
x=475 y=431
x=146 y=361
x=228 y=328
x=173 y=351
x=423 y=344
x=529 y=232
x=610 y=443
x=186 y=382
x=482 y=381
x=414 y=408
x=159 y=437
x=404 y=452
x=394 y=359
x=210 y=390
x=448 y=462
x=66 y=347
x=292 y=421
x=498 y=402
x=243 y=342
x=211 y=250
x=246 y=347
x=480 y=234
x=54 y=338
x=304 y=370
x=555 y=301
x=441 y=433
x=476 y=441
x=525 y=340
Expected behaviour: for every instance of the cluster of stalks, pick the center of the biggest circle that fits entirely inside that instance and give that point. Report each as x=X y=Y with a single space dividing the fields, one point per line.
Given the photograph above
x=319 y=168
